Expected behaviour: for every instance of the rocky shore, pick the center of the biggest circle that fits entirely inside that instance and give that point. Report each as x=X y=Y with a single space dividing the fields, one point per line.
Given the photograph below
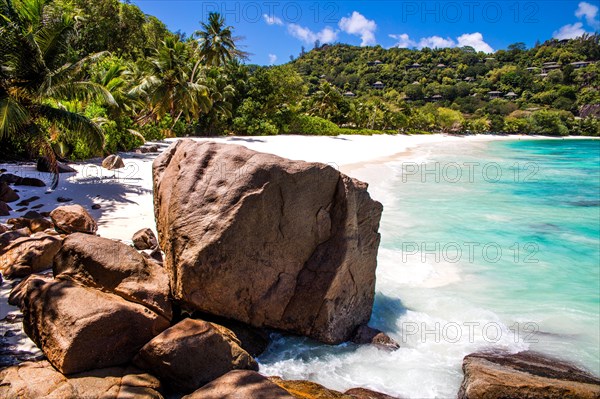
x=248 y=244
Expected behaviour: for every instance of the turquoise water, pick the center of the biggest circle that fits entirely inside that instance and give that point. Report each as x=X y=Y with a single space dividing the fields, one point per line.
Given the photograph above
x=484 y=244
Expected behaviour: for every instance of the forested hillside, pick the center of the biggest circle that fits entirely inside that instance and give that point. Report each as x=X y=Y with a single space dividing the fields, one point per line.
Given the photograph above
x=81 y=78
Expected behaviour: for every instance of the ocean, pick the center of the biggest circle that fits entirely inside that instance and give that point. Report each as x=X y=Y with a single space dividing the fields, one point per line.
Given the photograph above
x=490 y=244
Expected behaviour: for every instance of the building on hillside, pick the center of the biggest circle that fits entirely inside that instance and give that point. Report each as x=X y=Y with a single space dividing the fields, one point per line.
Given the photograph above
x=549 y=66
x=437 y=97
x=378 y=85
x=511 y=95
x=580 y=64
x=349 y=94
x=494 y=94
x=414 y=66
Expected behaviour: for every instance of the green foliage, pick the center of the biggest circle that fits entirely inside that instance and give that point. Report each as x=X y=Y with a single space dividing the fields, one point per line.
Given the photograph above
x=313 y=125
x=449 y=120
x=550 y=122
x=82 y=79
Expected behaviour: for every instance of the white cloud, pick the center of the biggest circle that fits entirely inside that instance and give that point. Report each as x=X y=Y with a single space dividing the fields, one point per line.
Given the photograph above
x=436 y=42
x=326 y=35
x=272 y=20
x=474 y=40
x=404 y=41
x=358 y=25
x=589 y=12
x=569 y=31
x=272 y=59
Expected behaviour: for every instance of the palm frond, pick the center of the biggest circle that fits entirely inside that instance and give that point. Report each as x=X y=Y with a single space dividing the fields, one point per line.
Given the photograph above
x=78 y=125
x=12 y=117
x=81 y=91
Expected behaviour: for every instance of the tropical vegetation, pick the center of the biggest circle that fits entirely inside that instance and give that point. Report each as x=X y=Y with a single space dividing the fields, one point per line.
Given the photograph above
x=80 y=79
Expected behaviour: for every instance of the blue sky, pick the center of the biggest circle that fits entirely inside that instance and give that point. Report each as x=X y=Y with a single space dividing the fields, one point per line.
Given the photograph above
x=275 y=29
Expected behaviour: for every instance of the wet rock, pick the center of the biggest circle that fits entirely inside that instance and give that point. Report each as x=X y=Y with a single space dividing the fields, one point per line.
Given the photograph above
x=498 y=375
x=367 y=335
x=64 y=199
x=363 y=393
x=240 y=384
x=307 y=389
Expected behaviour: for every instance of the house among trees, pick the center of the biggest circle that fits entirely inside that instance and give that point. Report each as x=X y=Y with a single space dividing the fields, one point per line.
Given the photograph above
x=414 y=66
x=469 y=79
x=549 y=66
x=349 y=94
x=373 y=63
x=441 y=65
x=378 y=85
x=580 y=64
x=494 y=94
x=437 y=97
x=511 y=95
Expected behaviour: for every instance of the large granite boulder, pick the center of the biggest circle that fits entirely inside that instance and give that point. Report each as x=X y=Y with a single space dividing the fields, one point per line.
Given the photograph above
x=265 y=240
x=73 y=219
x=81 y=328
x=499 y=375
x=114 y=267
x=39 y=380
x=240 y=384
x=192 y=353
x=27 y=255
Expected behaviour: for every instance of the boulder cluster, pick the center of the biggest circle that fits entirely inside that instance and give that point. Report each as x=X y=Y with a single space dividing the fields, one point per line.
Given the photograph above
x=277 y=245
x=248 y=243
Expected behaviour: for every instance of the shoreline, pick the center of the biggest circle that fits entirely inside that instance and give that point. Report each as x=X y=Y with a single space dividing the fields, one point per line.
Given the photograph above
x=126 y=196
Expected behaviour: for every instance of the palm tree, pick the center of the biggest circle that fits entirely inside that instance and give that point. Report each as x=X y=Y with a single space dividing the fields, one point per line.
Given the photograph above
x=34 y=78
x=171 y=85
x=217 y=45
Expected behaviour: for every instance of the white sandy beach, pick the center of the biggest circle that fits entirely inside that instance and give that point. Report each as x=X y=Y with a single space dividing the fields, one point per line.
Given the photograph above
x=125 y=195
